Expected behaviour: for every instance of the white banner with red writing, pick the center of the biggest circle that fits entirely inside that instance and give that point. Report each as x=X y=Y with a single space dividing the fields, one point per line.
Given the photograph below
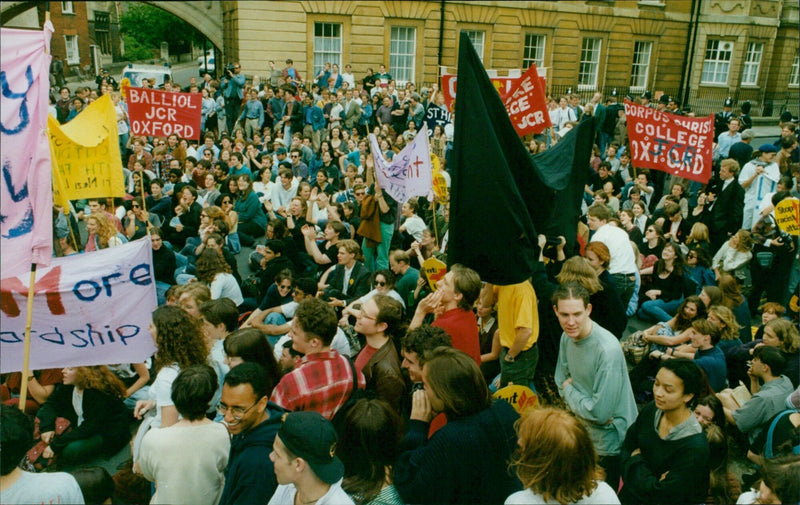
x=157 y=113
x=409 y=173
x=527 y=105
x=679 y=145
x=88 y=309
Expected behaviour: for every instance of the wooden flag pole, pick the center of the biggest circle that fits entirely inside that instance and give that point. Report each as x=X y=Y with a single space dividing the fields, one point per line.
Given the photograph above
x=26 y=357
x=144 y=206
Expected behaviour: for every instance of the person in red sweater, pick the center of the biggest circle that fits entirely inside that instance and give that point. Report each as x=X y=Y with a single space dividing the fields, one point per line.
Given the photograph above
x=452 y=303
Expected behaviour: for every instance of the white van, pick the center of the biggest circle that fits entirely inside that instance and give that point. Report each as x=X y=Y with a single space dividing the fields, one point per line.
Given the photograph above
x=135 y=73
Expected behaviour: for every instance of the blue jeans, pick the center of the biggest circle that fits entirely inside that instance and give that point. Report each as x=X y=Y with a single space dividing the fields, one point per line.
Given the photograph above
x=275 y=318
x=658 y=311
x=382 y=260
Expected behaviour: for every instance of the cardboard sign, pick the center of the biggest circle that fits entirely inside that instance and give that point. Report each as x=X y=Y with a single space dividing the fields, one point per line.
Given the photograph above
x=86 y=159
x=89 y=309
x=502 y=84
x=434 y=271
x=526 y=104
x=787 y=215
x=439 y=182
x=521 y=398
x=157 y=113
x=679 y=145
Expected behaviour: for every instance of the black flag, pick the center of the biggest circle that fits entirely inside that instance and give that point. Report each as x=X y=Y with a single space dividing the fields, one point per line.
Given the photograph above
x=495 y=189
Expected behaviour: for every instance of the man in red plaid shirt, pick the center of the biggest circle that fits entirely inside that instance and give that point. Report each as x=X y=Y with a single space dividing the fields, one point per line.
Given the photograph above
x=323 y=381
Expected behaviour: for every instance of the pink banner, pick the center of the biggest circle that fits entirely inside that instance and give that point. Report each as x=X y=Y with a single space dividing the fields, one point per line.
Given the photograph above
x=26 y=198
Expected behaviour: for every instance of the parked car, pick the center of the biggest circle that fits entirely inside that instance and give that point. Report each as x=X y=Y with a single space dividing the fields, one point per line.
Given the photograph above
x=207 y=64
x=135 y=73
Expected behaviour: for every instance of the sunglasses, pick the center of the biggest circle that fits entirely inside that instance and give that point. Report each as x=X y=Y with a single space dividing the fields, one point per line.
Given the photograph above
x=380 y=283
x=135 y=206
x=359 y=193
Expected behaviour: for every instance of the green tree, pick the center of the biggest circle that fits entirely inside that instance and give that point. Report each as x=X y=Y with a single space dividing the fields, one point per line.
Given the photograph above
x=145 y=27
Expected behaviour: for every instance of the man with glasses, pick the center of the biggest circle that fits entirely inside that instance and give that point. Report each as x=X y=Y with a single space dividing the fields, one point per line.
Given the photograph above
x=299 y=169
x=252 y=422
x=233 y=91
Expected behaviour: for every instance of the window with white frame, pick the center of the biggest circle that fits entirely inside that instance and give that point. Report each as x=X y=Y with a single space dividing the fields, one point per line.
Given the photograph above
x=73 y=53
x=794 y=76
x=641 y=65
x=717 y=62
x=477 y=38
x=402 y=49
x=752 y=63
x=327 y=45
x=66 y=8
x=590 y=63
x=534 y=50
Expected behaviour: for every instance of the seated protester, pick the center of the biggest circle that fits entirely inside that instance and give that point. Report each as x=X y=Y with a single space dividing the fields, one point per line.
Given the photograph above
x=665 y=456
x=779 y=484
x=675 y=227
x=186 y=461
x=732 y=298
x=645 y=187
x=412 y=225
x=768 y=399
x=407 y=276
x=708 y=411
x=102 y=233
x=489 y=340
x=734 y=256
x=703 y=350
x=214 y=271
x=248 y=345
x=216 y=241
x=603 y=175
x=91 y=399
x=324 y=379
x=348 y=280
x=414 y=347
x=273 y=320
x=319 y=204
x=19 y=486
x=186 y=222
x=676 y=191
x=368 y=446
x=769 y=311
x=138 y=220
x=324 y=255
x=782 y=441
x=190 y=297
x=445 y=469
x=699 y=239
x=697 y=268
x=383 y=280
x=380 y=321
x=723 y=317
x=164 y=264
x=219 y=319
x=252 y=422
x=668 y=287
x=41 y=385
x=305 y=461
x=271 y=261
x=279 y=290
x=453 y=301
x=723 y=485
x=556 y=461
x=252 y=220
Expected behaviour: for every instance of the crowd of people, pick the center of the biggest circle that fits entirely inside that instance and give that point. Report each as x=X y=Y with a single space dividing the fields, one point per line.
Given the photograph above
x=304 y=356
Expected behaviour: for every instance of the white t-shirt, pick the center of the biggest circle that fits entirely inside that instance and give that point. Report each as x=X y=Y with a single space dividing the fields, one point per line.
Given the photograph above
x=414 y=225
x=335 y=496
x=57 y=487
x=619 y=245
x=603 y=494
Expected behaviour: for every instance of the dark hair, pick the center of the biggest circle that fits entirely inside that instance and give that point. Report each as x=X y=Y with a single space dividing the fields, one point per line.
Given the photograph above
x=369 y=442
x=306 y=285
x=278 y=227
x=193 y=389
x=252 y=346
x=390 y=311
x=16 y=430
x=570 y=291
x=457 y=381
x=711 y=401
x=253 y=374
x=681 y=322
x=221 y=311
x=424 y=339
x=95 y=482
x=388 y=275
x=209 y=264
x=706 y=327
x=780 y=476
x=276 y=246
x=694 y=381
x=178 y=338
x=772 y=357
x=317 y=319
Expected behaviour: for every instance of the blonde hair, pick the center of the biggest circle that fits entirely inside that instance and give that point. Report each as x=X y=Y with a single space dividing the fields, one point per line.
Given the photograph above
x=105 y=228
x=727 y=317
x=699 y=233
x=577 y=269
x=556 y=458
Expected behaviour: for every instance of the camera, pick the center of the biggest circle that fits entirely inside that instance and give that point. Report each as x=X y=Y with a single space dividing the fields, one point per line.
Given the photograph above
x=229 y=68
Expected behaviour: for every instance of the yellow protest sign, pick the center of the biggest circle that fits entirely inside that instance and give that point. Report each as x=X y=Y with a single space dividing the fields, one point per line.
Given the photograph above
x=85 y=153
x=434 y=270
x=521 y=398
x=439 y=182
x=787 y=215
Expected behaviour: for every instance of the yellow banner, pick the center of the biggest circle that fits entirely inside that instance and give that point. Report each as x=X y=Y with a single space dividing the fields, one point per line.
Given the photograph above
x=434 y=270
x=787 y=215
x=439 y=182
x=86 y=157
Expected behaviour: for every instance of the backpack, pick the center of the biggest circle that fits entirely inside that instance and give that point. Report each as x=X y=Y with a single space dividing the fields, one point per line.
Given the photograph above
x=768 y=453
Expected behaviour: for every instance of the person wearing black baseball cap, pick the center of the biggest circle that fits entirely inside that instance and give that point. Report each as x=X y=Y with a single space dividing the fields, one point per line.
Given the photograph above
x=305 y=462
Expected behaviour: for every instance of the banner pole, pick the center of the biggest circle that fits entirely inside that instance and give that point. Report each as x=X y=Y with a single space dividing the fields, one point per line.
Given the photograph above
x=144 y=204
x=26 y=357
x=435 y=228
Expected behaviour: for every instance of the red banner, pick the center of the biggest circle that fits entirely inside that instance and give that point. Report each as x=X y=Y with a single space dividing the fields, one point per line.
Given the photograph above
x=526 y=104
x=158 y=113
x=679 y=145
x=502 y=84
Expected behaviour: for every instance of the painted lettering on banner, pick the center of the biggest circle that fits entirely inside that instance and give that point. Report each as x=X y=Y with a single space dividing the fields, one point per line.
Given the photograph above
x=159 y=113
